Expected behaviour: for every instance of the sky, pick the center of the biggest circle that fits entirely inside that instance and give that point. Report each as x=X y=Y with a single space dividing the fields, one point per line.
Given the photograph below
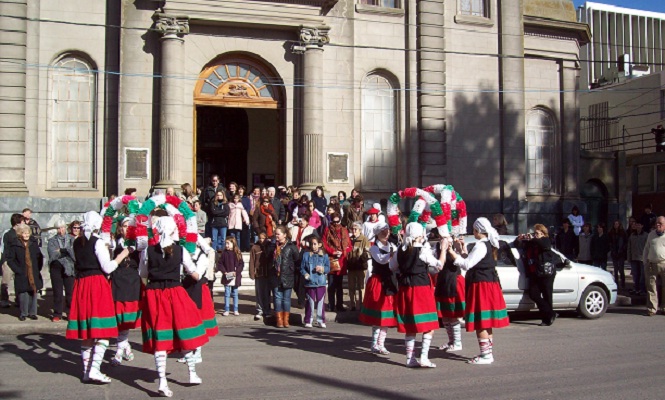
x=645 y=5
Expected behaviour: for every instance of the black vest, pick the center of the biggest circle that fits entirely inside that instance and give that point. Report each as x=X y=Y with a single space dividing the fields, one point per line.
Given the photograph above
x=485 y=270
x=164 y=272
x=388 y=278
x=194 y=288
x=412 y=270
x=446 y=280
x=125 y=280
x=86 y=263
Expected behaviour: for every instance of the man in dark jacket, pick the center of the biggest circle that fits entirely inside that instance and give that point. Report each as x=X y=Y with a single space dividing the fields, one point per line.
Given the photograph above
x=61 y=269
x=7 y=274
x=278 y=206
x=208 y=196
x=648 y=218
x=35 y=229
x=566 y=241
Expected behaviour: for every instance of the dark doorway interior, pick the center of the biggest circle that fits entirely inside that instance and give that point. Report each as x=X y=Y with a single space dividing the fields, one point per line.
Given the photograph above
x=594 y=194
x=222 y=141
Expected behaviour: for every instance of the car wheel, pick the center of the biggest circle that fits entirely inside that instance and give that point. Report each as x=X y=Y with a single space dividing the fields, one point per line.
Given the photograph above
x=593 y=303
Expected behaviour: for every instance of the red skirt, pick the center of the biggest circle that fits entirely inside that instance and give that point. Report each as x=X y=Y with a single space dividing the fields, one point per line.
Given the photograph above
x=485 y=307
x=128 y=314
x=171 y=321
x=453 y=307
x=207 y=312
x=377 y=309
x=92 y=315
x=416 y=309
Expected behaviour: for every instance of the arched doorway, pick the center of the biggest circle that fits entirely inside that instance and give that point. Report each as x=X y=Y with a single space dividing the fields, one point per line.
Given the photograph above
x=239 y=123
x=594 y=194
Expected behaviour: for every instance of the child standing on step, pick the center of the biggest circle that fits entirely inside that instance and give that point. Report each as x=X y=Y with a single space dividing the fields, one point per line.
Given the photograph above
x=314 y=267
x=231 y=265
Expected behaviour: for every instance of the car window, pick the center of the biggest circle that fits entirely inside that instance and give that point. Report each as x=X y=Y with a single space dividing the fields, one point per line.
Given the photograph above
x=505 y=258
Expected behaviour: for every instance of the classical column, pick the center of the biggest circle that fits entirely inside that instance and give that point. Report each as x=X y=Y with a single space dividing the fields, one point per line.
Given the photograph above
x=313 y=39
x=13 y=66
x=173 y=28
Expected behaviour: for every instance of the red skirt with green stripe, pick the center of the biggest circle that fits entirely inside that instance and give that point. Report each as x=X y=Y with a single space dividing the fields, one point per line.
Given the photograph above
x=128 y=314
x=207 y=312
x=92 y=314
x=453 y=307
x=377 y=309
x=485 y=307
x=171 y=321
x=416 y=309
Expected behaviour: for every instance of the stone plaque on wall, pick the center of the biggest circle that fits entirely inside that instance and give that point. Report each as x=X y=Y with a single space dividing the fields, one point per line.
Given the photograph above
x=137 y=163
x=338 y=167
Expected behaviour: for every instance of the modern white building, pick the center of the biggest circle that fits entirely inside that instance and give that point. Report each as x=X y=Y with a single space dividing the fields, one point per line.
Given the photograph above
x=624 y=42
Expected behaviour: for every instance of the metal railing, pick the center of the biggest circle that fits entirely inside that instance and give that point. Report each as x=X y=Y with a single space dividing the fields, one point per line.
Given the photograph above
x=605 y=134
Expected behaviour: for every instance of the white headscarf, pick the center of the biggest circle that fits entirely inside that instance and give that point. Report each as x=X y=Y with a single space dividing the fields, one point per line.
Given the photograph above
x=92 y=221
x=414 y=230
x=483 y=225
x=168 y=231
x=379 y=227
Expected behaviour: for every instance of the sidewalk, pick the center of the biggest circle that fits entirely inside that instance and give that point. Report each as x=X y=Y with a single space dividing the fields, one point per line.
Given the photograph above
x=10 y=325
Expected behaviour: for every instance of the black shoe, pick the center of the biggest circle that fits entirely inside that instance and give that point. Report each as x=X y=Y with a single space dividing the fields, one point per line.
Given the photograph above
x=341 y=309
x=33 y=317
x=21 y=318
x=554 y=316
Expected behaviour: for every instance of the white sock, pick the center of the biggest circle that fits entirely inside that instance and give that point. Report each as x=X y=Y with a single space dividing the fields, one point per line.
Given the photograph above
x=457 y=333
x=485 y=349
x=123 y=343
x=375 y=336
x=98 y=353
x=198 y=355
x=410 y=343
x=383 y=332
x=427 y=341
x=160 y=364
x=449 y=331
x=85 y=358
x=191 y=364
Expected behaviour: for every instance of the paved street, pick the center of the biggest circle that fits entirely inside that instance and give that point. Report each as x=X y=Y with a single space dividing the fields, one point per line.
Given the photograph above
x=619 y=356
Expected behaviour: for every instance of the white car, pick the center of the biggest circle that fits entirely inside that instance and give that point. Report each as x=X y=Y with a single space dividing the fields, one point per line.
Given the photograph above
x=587 y=289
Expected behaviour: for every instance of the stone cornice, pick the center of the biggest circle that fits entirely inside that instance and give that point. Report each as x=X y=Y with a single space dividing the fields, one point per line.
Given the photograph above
x=579 y=31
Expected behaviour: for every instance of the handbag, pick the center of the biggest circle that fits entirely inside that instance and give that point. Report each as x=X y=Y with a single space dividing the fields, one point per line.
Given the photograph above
x=547 y=265
x=334 y=265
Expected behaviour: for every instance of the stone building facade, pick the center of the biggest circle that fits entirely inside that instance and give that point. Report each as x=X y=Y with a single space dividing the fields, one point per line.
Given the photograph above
x=374 y=94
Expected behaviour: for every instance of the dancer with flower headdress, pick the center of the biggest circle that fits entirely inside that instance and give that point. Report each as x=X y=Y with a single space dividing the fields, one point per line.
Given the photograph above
x=450 y=297
x=414 y=304
x=485 y=305
x=92 y=317
x=170 y=321
x=378 y=309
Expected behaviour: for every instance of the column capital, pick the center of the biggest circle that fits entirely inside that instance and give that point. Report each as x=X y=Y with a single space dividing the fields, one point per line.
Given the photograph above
x=314 y=36
x=171 y=24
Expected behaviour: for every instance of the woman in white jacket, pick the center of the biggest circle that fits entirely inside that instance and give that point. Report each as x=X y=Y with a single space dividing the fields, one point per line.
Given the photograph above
x=237 y=216
x=576 y=220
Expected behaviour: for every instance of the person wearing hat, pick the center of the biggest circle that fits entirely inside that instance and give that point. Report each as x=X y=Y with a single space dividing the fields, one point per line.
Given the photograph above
x=92 y=317
x=485 y=306
x=378 y=309
x=357 y=265
x=414 y=304
x=371 y=223
x=171 y=321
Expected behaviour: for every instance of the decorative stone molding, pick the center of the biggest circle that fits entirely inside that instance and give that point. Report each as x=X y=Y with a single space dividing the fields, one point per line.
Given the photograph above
x=314 y=36
x=168 y=24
